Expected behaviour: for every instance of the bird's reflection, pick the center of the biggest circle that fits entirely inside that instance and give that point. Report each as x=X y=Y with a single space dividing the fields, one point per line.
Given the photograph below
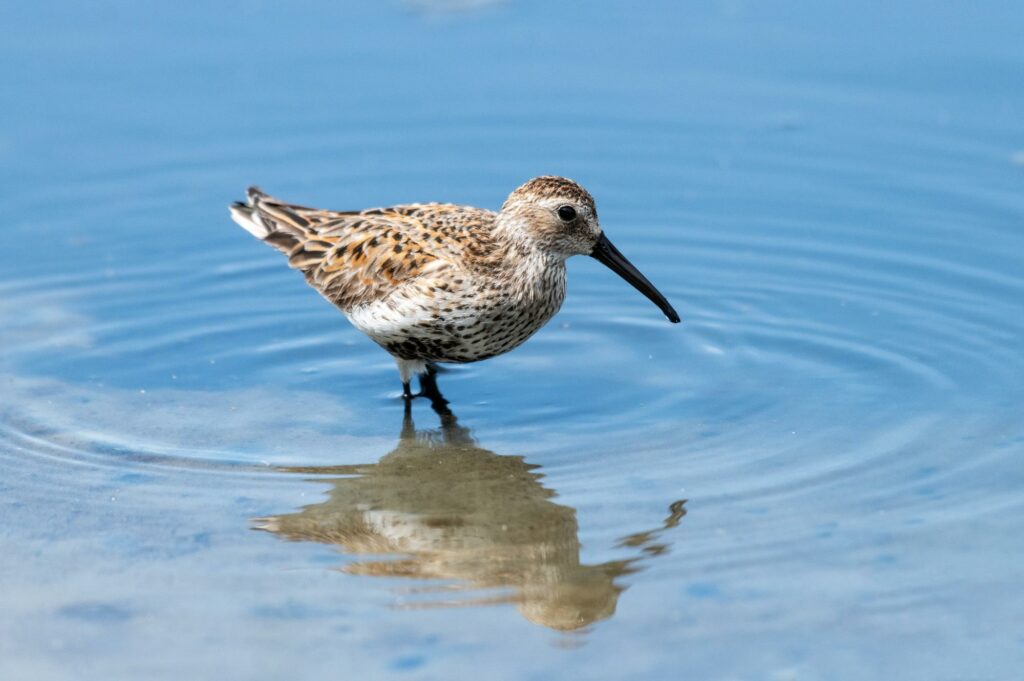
x=447 y=509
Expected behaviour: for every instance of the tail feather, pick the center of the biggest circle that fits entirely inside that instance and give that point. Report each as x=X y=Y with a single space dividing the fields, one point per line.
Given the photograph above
x=289 y=228
x=270 y=221
x=247 y=214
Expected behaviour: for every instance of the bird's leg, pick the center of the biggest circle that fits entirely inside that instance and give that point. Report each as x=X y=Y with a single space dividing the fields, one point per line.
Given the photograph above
x=429 y=389
x=407 y=368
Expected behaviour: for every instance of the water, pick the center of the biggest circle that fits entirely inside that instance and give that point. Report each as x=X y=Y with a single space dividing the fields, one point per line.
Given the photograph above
x=208 y=474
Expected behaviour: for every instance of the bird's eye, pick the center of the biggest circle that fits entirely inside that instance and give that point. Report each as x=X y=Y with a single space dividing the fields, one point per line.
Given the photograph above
x=567 y=213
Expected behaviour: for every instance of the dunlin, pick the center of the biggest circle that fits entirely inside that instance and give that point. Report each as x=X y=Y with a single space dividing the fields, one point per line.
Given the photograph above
x=440 y=282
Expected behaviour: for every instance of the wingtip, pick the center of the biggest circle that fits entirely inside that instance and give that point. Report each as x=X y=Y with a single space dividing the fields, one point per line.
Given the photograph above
x=254 y=193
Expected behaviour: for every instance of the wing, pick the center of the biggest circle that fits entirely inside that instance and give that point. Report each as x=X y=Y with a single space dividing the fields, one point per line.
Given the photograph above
x=356 y=258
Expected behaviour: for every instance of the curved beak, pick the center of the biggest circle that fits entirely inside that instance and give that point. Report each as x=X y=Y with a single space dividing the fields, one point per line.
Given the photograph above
x=606 y=253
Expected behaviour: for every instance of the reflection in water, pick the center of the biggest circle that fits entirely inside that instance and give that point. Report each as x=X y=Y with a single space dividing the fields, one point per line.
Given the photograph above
x=454 y=511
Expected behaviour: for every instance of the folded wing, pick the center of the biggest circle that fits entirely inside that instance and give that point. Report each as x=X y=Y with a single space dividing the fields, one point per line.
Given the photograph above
x=352 y=258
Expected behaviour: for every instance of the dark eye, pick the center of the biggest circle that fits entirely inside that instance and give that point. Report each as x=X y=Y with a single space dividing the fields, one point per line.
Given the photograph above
x=567 y=213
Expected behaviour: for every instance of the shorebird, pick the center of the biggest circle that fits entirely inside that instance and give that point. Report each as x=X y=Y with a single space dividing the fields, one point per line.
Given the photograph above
x=439 y=282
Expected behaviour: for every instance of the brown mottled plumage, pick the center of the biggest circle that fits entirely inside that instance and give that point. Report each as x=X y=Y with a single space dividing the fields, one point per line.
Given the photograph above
x=442 y=282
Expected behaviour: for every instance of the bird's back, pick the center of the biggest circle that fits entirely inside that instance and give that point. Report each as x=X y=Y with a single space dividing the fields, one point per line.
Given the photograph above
x=358 y=258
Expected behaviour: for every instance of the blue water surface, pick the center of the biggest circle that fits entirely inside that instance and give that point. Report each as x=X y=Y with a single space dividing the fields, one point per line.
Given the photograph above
x=206 y=473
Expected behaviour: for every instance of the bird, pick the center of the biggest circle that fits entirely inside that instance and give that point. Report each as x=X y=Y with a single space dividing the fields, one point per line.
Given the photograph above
x=439 y=282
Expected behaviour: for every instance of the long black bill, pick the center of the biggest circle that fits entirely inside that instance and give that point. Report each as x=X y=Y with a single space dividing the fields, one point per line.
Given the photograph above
x=605 y=252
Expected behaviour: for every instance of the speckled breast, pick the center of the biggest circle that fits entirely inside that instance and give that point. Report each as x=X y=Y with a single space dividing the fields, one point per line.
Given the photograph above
x=491 y=325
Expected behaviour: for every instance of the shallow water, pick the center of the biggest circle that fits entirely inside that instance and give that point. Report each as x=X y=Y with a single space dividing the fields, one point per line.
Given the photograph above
x=207 y=473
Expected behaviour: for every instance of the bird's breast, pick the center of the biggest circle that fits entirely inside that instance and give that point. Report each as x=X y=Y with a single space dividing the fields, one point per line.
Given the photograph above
x=462 y=319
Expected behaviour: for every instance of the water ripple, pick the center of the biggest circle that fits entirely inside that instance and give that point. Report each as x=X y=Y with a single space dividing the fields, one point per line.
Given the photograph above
x=821 y=354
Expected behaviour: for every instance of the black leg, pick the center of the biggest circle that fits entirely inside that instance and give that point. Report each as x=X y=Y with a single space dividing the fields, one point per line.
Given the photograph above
x=453 y=433
x=429 y=389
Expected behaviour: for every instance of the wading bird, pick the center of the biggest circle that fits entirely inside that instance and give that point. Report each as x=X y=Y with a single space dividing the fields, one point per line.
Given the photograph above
x=440 y=282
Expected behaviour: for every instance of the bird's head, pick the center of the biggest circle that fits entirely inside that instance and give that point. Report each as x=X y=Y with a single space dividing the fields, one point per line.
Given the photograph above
x=558 y=217
x=556 y=214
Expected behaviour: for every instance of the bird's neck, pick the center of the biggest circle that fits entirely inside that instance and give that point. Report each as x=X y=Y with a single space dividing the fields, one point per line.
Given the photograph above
x=530 y=271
